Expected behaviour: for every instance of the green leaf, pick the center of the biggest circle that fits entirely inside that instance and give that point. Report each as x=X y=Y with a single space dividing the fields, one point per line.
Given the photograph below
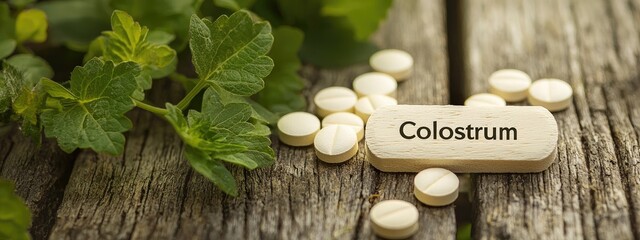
x=6 y=93
x=7 y=24
x=128 y=42
x=363 y=15
x=27 y=107
x=222 y=132
x=282 y=90
x=31 y=25
x=56 y=90
x=24 y=72
x=330 y=43
x=76 y=23
x=195 y=132
x=92 y=110
x=230 y=52
x=170 y=16
x=7 y=47
x=15 y=218
x=212 y=169
x=234 y=4
x=32 y=67
x=11 y=85
x=7 y=34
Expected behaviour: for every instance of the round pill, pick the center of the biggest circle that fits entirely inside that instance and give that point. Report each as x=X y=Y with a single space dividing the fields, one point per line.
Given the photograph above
x=334 y=99
x=345 y=119
x=510 y=84
x=336 y=144
x=552 y=94
x=436 y=186
x=375 y=83
x=397 y=63
x=368 y=105
x=298 y=128
x=485 y=100
x=394 y=219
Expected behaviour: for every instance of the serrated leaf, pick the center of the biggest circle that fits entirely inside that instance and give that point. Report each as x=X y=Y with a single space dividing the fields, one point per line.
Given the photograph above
x=231 y=52
x=92 y=114
x=171 y=16
x=197 y=134
x=128 y=42
x=15 y=218
x=31 y=25
x=363 y=15
x=212 y=169
x=282 y=90
x=258 y=112
x=228 y=133
x=234 y=4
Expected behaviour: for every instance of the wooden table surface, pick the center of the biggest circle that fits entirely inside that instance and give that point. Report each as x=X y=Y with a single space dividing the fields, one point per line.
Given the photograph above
x=591 y=191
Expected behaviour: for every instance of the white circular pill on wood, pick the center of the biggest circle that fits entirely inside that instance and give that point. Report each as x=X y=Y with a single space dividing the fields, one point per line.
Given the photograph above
x=336 y=143
x=298 y=128
x=375 y=83
x=397 y=63
x=368 y=105
x=394 y=219
x=436 y=186
x=334 y=99
x=552 y=94
x=345 y=119
x=485 y=100
x=510 y=84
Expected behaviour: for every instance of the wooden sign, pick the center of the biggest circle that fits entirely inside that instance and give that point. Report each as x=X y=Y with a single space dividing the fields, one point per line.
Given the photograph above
x=410 y=138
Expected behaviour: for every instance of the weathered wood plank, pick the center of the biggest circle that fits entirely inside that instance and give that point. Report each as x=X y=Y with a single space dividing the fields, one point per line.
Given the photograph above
x=591 y=191
x=150 y=192
x=39 y=174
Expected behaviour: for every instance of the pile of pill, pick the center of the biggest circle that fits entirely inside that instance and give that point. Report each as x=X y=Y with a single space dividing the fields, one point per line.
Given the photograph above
x=344 y=111
x=511 y=85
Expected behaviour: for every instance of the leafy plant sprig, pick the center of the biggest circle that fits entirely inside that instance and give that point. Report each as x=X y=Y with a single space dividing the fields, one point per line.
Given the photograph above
x=229 y=55
x=233 y=57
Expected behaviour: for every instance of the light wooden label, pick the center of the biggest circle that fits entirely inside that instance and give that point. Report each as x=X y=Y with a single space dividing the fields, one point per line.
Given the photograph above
x=410 y=138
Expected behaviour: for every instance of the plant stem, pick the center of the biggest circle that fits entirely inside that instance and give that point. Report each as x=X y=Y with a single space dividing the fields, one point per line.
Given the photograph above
x=153 y=109
x=187 y=99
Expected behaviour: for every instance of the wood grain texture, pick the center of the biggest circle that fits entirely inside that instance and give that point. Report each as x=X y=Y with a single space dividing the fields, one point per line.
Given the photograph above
x=39 y=174
x=591 y=191
x=151 y=192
